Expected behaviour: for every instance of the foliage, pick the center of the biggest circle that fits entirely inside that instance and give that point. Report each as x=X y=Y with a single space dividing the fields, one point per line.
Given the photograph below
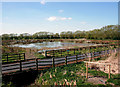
x=106 y=32
x=61 y=74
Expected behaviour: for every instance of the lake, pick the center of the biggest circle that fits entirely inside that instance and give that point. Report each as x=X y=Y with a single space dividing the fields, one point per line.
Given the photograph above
x=50 y=44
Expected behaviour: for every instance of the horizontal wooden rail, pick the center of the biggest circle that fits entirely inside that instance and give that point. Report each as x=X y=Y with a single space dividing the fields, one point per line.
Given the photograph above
x=48 y=62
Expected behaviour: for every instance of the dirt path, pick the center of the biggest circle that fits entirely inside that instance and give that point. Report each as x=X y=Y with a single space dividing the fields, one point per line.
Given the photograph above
x=97 y=80
x=112 y=60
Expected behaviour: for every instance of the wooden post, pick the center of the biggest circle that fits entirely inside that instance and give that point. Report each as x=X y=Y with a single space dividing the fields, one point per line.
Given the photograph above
x=24 y=56
x=109 y=71
x=20 y=65
x=53 y=53
x=79 y=50
x=105 y=53
x=61 y=53
x=66 y=60
x=90 y=54
x=76 y=58
x=94 y=52
x=45 y=53
x=36 y=63
x=74 y=51
x=100 y=52
x=53 y=62
x=86 y=70
x=7 y=57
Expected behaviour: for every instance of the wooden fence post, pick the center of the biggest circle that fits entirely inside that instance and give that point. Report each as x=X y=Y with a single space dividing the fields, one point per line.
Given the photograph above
x=90 y=54
x=76 y=58
x=24 y=56
x=45 y=53
x=20 y=65
x=109 y=71
x=74 y=51
x=7 y=57
x=61 y=53
x=53 y=53
x=66 y=60
x=53 y=62
x=36 y=63
x=94 y=52
x=79 y=50
x=86 y=70
x=105 y=53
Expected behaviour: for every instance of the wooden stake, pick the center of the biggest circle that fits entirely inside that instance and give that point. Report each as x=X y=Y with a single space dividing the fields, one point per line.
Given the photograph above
x=109 y=71
x=53 y=62
x=61 y=53
x=66 y=60
x=7 y=57
x=86 y=70
x=20 y=65
x=24 y=56
x=36 y=64
x=76 y=58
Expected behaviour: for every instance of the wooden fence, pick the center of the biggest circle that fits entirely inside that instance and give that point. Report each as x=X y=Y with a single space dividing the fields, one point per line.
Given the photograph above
x=6 y=58
x=40 y=64
x=60 y=51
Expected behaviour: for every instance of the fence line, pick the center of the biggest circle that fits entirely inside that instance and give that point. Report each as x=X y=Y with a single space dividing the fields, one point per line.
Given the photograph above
x=9 y=57
x=39 y=64
x=74 y=49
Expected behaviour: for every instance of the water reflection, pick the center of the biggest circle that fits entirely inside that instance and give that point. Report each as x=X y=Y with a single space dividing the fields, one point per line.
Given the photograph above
x=49 y=44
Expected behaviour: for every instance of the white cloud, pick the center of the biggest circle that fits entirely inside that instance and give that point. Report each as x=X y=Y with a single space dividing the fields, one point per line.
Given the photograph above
x=60 y=11
x=69 y=18
x=64 y=18
x=43 y=2
x=83 y=22
x=54 y=18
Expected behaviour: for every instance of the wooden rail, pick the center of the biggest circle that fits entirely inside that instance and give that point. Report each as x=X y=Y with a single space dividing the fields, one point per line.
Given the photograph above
x=6 y=58
x=60 y=51
x=40 y=64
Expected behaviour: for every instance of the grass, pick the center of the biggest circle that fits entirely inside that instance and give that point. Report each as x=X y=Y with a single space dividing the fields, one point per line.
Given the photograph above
x=61 y=74
x=97 y=73
x=115 y=79
x=68 y=74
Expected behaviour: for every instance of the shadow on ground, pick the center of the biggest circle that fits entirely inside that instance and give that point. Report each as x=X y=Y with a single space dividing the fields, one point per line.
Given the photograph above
x=21 y=79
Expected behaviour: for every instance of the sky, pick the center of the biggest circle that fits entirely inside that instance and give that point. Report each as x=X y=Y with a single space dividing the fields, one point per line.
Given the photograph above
x=32 y=17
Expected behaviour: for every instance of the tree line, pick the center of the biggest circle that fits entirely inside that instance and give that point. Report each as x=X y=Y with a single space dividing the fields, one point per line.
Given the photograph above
x=106 y=32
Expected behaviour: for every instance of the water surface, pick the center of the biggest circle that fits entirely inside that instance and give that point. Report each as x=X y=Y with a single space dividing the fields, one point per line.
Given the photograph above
x=50 y=44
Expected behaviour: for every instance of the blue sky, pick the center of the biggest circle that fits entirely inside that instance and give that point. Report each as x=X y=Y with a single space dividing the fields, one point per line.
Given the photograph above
x=31 y=17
